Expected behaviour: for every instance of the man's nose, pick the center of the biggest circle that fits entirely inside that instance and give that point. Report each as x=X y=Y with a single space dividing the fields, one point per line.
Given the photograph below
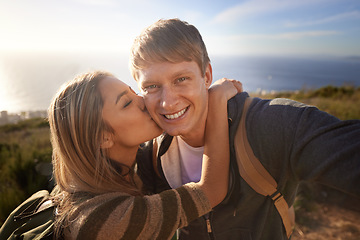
x=168 y=98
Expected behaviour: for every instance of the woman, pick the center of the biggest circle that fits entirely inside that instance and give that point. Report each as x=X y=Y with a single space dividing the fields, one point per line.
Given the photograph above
x=97 y=123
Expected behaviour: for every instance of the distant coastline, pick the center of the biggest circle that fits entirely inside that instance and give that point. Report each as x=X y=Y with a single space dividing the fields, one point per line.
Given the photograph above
x=29 y=81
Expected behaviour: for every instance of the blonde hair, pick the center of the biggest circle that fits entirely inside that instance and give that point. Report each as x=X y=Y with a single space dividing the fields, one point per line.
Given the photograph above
x=81 y=167
x=170 y=40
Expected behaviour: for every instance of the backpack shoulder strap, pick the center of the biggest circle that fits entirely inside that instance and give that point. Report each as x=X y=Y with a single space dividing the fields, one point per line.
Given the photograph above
x=154 y=156
x=254 y=173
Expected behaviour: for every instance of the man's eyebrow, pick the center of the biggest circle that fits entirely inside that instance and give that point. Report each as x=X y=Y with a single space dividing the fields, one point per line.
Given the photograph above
x=120 y=95
x=181 y=73
x=146 y=82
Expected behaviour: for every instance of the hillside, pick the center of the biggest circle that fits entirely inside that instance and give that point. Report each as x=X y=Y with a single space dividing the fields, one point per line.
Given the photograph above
x=342 y=102
x=25 y=156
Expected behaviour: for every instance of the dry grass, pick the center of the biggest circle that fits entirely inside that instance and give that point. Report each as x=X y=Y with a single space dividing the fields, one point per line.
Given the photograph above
x=342 y=102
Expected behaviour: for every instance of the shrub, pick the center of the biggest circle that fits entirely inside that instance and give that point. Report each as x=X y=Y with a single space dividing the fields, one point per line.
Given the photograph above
x=24 y=149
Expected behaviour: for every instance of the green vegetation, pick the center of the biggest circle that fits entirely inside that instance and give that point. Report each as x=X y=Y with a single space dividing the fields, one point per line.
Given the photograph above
x=342 y=102
x=25 y=156
x=25 y=149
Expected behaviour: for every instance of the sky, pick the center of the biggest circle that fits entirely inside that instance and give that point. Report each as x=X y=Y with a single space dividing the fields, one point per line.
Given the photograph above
x=44 y=43
x=229 y=27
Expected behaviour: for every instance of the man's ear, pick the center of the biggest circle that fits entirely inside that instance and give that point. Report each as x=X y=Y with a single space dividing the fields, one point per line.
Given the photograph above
x=208 y=76
x=107 y=141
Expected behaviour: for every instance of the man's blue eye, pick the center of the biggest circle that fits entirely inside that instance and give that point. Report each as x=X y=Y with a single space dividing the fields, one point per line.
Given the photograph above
x=147 y=88
x=181 y=79
x=151 y=86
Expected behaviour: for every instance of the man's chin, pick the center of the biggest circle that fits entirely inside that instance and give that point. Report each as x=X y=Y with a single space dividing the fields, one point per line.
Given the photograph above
x=174 y=132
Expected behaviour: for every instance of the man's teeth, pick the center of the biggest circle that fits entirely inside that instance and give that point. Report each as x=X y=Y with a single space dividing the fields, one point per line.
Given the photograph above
x=176 y=115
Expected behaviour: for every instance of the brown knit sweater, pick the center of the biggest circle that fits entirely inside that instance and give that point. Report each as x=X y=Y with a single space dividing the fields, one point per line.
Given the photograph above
x=121 y=216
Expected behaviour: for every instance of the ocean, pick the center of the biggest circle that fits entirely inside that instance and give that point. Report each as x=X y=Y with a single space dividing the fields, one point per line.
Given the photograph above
x=28 y=81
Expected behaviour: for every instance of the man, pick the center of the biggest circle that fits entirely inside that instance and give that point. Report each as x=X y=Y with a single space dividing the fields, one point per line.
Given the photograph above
x=294 y=142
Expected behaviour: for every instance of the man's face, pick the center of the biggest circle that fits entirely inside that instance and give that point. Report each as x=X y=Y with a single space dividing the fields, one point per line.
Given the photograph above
x=176 y=96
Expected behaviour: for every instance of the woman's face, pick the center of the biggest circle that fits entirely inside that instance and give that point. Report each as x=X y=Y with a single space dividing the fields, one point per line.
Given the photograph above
x=125 y=112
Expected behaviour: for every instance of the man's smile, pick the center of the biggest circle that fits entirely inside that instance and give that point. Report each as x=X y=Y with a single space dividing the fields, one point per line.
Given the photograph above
x=175 y=115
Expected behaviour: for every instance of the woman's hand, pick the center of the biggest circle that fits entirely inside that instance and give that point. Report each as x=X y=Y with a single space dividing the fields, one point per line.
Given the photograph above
x=215 y=169
x=226 y=88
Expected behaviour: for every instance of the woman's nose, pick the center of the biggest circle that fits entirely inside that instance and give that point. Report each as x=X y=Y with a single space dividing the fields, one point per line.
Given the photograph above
x=141 y=102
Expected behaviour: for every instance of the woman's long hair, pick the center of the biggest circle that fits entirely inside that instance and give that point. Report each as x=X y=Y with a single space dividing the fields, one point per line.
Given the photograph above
x=77 y=128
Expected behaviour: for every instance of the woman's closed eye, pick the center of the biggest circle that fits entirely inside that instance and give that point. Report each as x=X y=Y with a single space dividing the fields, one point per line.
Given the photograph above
x=127 y=103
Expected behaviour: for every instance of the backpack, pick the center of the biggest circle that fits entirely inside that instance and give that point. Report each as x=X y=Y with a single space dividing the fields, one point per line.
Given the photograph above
x=32 y=219
x=258 y=178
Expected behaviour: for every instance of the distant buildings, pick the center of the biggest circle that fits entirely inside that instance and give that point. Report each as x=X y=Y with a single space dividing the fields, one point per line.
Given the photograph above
x=6 y=118
x=3 y=117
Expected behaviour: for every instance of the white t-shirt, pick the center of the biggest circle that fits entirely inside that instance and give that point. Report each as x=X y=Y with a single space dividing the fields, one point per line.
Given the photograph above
x=190 y=161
